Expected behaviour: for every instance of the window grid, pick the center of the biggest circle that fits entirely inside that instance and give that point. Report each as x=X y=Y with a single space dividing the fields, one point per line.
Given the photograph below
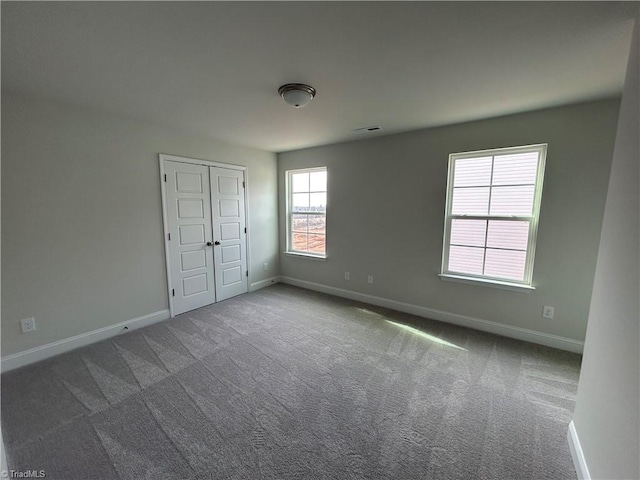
x=486 y=223
x=531 y=220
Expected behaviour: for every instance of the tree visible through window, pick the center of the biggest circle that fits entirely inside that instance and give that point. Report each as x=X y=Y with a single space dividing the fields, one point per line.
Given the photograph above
x=493 y=204
x=307 y=211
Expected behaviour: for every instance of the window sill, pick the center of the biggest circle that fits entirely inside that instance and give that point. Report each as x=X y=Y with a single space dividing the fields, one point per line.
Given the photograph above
x=310 y=256
x=516 y=287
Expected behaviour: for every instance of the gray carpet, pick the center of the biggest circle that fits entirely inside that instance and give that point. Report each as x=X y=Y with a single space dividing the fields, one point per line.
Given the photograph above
x=291 y=384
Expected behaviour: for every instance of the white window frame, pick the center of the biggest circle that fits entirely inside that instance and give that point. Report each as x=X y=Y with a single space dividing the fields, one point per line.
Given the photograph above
x=527 y=283
x=290 y=213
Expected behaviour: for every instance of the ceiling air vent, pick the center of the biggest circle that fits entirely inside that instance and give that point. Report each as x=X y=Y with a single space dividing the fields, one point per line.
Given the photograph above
x=368 y=129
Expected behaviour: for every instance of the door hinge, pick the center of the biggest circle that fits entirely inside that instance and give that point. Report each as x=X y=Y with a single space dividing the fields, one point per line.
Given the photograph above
x=168 y=236
x=245 y=229
x=247 y=273
x=173 y=292
x=165 y=177
x=243 y=185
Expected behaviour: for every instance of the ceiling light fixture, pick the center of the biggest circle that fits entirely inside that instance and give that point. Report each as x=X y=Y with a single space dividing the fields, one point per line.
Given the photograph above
x=297 y=94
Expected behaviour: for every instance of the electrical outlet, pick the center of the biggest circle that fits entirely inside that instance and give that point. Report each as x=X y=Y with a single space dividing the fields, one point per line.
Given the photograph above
x=265 y=266
x=370 y=279
x=346 y=275
x=28 y=325
x=547 y=312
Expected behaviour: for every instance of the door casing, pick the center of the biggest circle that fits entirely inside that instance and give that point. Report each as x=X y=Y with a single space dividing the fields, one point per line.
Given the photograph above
x=165 y=224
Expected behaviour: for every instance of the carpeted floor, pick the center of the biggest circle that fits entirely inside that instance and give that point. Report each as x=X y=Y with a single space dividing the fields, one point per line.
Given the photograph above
x=285 y=383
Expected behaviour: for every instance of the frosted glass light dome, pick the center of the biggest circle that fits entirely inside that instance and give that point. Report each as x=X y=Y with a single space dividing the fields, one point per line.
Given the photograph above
x=297 y=95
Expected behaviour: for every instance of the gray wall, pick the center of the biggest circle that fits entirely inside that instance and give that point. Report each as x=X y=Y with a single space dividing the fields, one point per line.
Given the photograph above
x=82 y=218
x=386 y=203
x=607 y=414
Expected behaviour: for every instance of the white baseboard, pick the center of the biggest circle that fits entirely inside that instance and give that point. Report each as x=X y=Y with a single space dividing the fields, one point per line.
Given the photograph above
x=577 y=455
x=36 y=354
x=263 y=283
x=518 y=333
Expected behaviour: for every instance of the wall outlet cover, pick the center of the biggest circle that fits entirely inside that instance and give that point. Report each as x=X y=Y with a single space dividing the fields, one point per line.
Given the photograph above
x=548 y=312
x=28 y=325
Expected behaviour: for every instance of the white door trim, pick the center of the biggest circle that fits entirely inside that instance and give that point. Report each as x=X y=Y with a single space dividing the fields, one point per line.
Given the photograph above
x=198 y=161
x=162 y=157
x=579 y=462
x=3 y=458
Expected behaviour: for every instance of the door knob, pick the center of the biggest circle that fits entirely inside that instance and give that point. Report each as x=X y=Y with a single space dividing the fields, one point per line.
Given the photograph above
x=216 y=243
x=209 y=244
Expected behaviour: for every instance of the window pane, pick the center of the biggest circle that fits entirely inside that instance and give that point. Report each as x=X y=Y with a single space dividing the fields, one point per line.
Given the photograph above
x=318 y=202
x=507 y=264
x=299 y=223
x=472 y=172
x=300 y=182
x=470 y=201
x=317 y=224
x=306 y=207
x=299 y=241
x=517 y=169
x=468 y=232
x=317 y=243
x=300 y=202
x=512 y=200
x=507 y=234
x=318 y=181
x=466 y=259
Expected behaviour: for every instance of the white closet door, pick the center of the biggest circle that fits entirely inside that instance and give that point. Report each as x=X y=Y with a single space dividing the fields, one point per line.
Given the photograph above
x=229 y=232
x=188 y=204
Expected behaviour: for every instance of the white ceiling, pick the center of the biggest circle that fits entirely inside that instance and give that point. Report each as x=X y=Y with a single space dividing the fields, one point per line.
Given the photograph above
x=214 y=67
